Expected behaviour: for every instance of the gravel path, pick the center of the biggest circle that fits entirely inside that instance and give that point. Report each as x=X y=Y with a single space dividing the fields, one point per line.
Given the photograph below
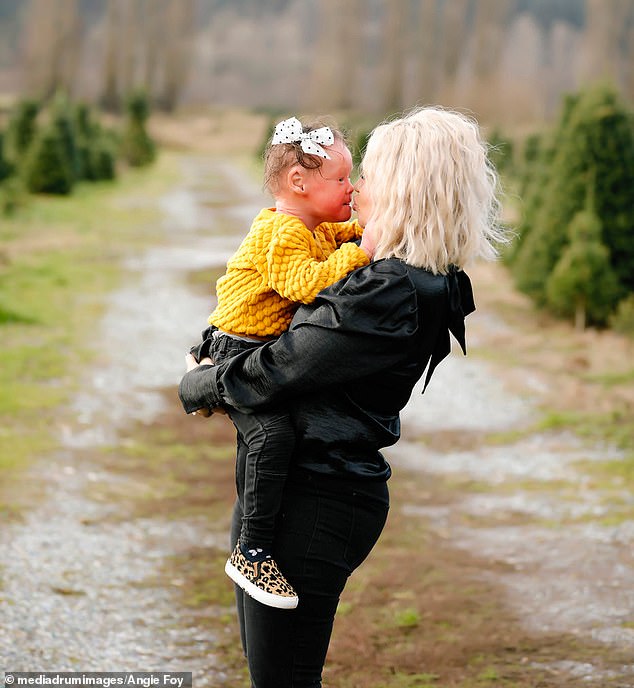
x=560 y=577
x=78 y=590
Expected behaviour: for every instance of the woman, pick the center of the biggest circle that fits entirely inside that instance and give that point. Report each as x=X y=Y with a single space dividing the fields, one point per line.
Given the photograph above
x=347 y=367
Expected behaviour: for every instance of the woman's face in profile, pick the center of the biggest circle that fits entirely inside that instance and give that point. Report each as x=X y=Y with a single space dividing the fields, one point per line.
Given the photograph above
x=362 y=202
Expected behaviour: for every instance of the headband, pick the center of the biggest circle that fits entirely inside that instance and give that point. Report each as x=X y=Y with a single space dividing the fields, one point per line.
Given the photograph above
x=291 y=131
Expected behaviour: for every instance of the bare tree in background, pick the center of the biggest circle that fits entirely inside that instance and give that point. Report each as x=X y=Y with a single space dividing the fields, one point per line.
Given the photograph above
x=177 y=42
x=491 y=17
x=152 y=13
x=454 y=33
x=336 y=54
x=52 y=41
x=110 y=94
x=364 y=54
x=426 y=47
x=629 y=59
x=394 y=54
x=129 y=45
x=600 y=36
x=609 y=33
x=148 y=46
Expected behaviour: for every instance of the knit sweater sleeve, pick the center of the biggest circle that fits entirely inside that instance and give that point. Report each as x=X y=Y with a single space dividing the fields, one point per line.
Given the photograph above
x=346 y=231
x=294 y=272
x=361 y=326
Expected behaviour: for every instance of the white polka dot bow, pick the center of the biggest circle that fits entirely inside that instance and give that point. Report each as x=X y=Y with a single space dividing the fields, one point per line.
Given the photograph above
x=291 y=131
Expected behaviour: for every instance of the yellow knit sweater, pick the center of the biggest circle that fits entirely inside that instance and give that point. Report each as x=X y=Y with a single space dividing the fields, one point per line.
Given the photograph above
x=279 y=265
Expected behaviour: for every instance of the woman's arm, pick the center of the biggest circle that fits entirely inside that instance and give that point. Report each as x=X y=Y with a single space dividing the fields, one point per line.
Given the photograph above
x=358 y=327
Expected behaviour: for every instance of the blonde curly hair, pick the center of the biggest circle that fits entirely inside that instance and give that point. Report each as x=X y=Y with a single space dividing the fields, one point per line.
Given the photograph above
x=433 y=190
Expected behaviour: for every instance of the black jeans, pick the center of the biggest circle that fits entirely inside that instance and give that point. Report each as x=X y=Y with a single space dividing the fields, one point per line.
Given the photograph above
x=269 y=438
x=325 y=529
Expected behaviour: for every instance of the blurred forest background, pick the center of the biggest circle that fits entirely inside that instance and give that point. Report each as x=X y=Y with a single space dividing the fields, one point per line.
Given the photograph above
x=130 y=133
x=551 y=81
x=509 y=61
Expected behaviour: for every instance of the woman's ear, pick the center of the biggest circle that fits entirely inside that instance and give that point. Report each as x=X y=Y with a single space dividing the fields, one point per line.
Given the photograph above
x=296 y=179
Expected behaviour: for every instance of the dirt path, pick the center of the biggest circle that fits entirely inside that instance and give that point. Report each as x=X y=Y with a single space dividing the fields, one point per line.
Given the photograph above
x=81 y=585
x=525 y=504
x=119 y=567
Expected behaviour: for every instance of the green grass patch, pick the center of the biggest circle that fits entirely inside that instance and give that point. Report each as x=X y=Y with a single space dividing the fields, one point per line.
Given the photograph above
x=403 y=680
x=489 y=675
x=204 y=281
x=168 y=474
x=502 y=437
x=60 y=256
x=614 y=474
x=616 y=427
x=20 y=443
x=609 y=380
x=9 y=316
x=207 y=584
x=407 y=618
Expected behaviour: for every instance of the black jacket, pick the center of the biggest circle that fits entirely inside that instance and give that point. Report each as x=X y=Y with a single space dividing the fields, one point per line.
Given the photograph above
x=347 y=365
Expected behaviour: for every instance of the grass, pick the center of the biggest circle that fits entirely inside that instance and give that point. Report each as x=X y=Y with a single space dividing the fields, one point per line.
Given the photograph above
x=417 y=614
x=613 y=379
x=60 y=255
x=615 y=427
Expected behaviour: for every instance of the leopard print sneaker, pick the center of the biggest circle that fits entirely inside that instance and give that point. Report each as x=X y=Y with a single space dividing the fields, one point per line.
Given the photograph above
x=262 y=580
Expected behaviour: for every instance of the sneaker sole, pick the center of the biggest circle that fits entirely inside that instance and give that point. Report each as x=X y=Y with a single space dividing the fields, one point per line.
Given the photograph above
x=267 y=598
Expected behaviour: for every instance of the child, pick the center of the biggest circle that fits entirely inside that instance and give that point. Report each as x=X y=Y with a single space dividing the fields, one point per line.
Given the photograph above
x=291 y=253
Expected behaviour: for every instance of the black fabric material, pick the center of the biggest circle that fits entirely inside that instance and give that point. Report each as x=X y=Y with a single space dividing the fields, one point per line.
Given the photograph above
x=347 y=365
x=325 y=530
x=269 y=438
x=202 y=350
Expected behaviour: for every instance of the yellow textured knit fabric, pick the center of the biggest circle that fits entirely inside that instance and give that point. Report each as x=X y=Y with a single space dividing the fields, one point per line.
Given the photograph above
x=280 y=264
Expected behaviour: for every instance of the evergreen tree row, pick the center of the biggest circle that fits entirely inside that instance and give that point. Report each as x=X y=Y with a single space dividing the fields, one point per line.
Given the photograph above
x=48 y=150
x=575 y=248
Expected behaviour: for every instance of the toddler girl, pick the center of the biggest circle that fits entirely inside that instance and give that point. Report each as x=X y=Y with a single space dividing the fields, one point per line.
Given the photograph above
x=292 y=252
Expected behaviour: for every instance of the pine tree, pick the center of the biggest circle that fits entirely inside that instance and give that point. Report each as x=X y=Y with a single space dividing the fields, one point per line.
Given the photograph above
x=595 y=149
x=137 y=147
x=537 y=171
x=582 y=284
x=102 y=159
x=531 y=153
x=21 y=130
x=47 y=169
x=6 y=168
x=501 y=151
x=95 y=157
x=63 y=119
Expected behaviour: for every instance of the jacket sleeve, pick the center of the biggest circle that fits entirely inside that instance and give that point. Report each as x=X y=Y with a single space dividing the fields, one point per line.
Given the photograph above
x=296 y=275
x=358 y=327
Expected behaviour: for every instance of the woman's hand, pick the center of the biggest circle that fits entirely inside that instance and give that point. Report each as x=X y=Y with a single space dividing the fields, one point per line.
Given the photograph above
x=191 y=364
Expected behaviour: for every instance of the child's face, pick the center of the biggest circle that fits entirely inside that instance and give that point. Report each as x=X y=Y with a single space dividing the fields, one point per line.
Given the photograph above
x=330 y=186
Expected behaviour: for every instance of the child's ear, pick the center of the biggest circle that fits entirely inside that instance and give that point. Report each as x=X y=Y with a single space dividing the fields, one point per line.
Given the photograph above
x=296 y=179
